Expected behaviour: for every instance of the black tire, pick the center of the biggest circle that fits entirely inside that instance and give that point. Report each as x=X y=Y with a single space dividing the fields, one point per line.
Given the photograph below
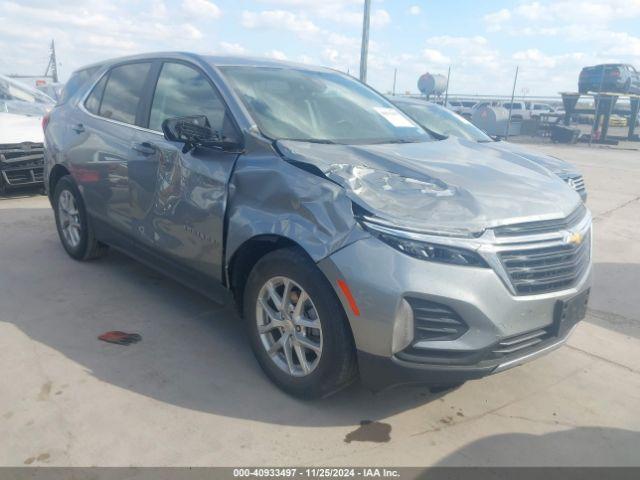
x=88 y=247
x=337 y=365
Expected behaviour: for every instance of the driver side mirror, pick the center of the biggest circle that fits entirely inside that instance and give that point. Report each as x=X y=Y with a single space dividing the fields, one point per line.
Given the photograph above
x=194 y=131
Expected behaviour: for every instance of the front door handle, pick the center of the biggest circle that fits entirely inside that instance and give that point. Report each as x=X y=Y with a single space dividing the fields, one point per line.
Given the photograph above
x=144 y=148
x=78 y=128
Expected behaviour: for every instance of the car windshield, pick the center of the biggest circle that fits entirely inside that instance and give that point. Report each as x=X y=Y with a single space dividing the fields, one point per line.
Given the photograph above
x=319 y=106
x=443 y=122
x=21 y=99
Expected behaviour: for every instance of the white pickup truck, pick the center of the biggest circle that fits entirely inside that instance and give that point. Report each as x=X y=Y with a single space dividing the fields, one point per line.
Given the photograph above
x=21 y=137
x=527 y=110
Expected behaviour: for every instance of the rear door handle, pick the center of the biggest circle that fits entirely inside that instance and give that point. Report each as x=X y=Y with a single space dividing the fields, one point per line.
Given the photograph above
x=145 y=148
x=79 y=128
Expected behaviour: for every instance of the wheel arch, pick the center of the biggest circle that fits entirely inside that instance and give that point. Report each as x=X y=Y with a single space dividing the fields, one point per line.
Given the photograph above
x=57 y=172
x=244 y=258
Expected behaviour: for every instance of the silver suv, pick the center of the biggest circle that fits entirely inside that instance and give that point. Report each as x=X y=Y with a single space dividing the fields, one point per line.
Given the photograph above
x=352 y=241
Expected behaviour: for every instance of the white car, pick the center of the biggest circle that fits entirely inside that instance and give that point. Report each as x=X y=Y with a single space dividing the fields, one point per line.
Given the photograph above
x=21 y=137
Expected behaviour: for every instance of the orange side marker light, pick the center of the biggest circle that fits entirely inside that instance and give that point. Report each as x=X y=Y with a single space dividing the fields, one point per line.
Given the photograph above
x=347 y=293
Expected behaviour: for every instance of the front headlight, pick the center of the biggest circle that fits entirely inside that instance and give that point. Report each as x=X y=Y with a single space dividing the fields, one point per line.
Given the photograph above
x=428 y=251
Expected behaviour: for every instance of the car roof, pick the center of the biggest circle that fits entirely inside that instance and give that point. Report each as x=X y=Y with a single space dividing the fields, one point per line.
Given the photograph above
x=215 y=60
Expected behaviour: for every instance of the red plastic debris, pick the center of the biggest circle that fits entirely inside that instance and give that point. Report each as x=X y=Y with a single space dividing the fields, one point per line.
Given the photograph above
x=120 y=338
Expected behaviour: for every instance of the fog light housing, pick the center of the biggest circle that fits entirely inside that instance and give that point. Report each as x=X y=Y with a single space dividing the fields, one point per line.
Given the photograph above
x=402 y=327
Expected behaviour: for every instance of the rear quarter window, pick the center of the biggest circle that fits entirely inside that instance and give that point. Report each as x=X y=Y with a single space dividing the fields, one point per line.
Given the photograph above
x=78 y=80
x=93 y=100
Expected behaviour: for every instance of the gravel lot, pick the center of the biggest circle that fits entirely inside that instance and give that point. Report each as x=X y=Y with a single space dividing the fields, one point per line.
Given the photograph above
x=190 y=393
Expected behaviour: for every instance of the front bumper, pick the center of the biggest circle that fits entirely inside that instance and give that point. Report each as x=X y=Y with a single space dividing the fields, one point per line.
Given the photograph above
x=380 y=277
x=21 y=165
x=378 y=372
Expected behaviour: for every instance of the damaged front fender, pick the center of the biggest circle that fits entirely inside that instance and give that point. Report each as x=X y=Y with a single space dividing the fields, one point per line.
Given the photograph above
x=269 y=196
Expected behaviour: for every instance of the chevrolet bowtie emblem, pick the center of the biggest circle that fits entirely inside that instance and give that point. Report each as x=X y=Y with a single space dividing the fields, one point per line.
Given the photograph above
x=574 y=238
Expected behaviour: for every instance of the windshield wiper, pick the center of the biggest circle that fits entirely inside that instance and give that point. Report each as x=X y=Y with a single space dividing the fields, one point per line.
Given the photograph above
x=438 y=136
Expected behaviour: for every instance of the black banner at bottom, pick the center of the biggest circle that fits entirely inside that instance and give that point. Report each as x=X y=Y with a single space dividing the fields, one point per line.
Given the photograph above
x=303 y=473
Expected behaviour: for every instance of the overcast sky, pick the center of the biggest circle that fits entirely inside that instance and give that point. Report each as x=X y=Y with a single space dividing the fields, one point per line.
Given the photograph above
x=483 y=41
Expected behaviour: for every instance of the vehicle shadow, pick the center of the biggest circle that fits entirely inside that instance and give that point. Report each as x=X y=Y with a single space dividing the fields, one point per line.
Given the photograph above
x=574 y=447
x=193 y=352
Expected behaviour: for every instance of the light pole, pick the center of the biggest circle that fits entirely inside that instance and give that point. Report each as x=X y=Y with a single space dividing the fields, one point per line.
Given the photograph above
x=513 y=93
x=364 y=51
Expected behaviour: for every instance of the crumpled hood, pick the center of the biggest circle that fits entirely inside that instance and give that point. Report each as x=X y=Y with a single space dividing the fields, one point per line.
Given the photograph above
x=20 y=128
x=557 y=166
x=453 y=186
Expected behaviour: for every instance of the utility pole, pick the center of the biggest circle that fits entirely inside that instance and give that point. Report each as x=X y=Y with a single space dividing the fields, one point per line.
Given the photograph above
x=53 y=64
x=395 y=77
x=446 y=90
x=513 y=94
x=364 y=51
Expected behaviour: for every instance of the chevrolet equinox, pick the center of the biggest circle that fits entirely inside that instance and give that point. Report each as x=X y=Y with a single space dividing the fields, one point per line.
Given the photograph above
x=353 y=242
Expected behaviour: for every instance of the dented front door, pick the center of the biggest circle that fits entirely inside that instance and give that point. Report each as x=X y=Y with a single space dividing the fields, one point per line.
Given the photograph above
x=178 y=202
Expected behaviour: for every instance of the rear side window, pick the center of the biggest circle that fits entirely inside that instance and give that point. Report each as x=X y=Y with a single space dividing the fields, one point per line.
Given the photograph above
x=77 y=80
x=123 y=92
x=93 y=101
x=184 y=91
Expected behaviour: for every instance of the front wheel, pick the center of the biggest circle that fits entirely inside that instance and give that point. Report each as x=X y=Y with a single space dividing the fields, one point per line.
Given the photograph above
x=298 y=330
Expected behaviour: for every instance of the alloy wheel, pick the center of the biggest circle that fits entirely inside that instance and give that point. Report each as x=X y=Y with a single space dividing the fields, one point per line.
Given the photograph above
x=289 y=326
x=69 y=217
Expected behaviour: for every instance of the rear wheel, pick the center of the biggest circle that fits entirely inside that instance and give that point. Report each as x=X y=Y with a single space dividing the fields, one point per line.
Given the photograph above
x=297 y=327
x=72 y=222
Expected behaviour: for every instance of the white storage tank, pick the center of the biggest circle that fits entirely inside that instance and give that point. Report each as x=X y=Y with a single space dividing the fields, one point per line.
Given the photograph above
x=432 y=84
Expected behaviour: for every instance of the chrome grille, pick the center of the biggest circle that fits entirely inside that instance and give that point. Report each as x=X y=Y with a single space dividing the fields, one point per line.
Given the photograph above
x=547 y=269
x=545 y=226
x=21 y=164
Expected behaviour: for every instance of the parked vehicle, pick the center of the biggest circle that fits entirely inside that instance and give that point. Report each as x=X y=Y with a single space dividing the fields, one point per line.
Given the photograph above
x=442 y=123
x=52 y=90
x=527 y=110
x=21 y=137
x=617 y=121
x=351 y=240
x=461 y=107
x=610 y=78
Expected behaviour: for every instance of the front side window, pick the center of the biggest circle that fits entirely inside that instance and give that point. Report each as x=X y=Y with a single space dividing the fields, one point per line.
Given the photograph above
x=319 y=106
x=123 y=92
x=183 y=91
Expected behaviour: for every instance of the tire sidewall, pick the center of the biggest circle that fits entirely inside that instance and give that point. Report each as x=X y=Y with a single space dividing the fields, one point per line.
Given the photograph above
x=335 y=343
x=67 y=183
